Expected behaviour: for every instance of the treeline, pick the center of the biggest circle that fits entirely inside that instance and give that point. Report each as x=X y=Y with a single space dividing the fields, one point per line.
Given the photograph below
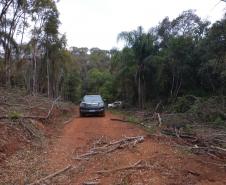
x=183 y=56
x=178 y=57
x=33 y=53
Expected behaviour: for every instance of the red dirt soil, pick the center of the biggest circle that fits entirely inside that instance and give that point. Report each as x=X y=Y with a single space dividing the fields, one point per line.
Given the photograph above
x=169 y=165
x=11 y=140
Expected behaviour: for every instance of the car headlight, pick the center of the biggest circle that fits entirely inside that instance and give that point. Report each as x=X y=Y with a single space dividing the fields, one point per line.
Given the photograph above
x=82 y=104
x=101 y=104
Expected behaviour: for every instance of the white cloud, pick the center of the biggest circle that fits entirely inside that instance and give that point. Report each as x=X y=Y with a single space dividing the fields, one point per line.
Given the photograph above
x=96 y=23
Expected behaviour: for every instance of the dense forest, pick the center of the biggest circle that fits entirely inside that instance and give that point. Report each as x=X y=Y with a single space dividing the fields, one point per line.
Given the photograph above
x=183 y=56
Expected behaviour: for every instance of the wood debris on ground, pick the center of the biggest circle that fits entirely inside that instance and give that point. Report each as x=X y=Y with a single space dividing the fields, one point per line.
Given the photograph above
x=112 y=146
x=139 y=165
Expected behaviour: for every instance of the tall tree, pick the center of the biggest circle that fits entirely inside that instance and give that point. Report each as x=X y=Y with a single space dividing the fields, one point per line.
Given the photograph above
x=143 y=47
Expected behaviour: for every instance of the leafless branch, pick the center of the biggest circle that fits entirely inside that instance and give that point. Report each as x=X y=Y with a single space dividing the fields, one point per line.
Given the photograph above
x=51 y=175
x=112 y=146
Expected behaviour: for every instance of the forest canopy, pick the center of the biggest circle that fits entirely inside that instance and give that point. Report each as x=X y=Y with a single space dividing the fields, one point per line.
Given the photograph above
x=183 y=56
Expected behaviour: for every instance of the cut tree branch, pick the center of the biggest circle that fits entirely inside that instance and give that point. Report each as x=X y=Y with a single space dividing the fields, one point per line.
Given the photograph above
x=51 y=175
x=135 y=166
x=112 y=146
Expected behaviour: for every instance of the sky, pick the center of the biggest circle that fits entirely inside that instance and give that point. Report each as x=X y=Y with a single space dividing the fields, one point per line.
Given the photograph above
x=96 y=23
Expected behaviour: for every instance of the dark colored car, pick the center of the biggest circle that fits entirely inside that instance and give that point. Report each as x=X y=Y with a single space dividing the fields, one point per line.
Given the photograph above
x=92 y=104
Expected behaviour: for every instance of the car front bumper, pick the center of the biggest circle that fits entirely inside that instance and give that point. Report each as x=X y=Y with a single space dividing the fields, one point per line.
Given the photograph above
x=91 y=110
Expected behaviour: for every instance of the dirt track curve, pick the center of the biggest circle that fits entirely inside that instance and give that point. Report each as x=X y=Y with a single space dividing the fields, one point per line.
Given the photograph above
x=168 y=164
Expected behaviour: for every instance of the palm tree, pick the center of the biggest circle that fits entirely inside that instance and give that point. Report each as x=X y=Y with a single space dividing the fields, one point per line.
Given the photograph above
x=142 y=45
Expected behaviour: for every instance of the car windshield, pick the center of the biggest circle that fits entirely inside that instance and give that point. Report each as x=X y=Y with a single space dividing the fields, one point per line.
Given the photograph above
x=92 y=98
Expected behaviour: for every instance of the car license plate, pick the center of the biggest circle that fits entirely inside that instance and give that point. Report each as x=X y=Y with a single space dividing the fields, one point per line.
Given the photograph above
x=91 y=110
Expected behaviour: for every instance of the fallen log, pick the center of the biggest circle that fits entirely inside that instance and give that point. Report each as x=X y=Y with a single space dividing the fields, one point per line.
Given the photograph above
x=159 y=119
x=135 y=166
x=136 y=138
x=51 y=175
x=213 y=151
x=91 y=183
x=139 y=123
x=211 y=148
x=122 y=120
x=184 y=136
x=219 y=148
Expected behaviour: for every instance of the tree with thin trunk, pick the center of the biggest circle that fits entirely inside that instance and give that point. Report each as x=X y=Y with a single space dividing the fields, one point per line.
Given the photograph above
x=142 y=45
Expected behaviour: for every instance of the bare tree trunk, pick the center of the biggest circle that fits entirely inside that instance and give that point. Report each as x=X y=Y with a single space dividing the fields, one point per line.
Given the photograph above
x=4 y=9
x=6 y=69
x=8 y=46
x=172 y=86
x=143 y=92
x=34 y=88
x=9 y=72
x=5 y=54
x=48 y=74
x=179 y=86
x=22 y=36
x=139 y=89
x=27 y=79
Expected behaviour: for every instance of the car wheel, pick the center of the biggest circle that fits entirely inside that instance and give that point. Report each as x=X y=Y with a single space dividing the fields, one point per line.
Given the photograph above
x=103 y=114
x=82 y=114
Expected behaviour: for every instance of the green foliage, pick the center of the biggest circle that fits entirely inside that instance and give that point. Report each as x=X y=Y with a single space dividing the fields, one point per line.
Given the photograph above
x=14 y=115
x=72 y=87
x=208 y=110
x=185 y=103
x=107 y=90
x=219 y=120
x=100 y=82
x=176 y=58
x=211 y=109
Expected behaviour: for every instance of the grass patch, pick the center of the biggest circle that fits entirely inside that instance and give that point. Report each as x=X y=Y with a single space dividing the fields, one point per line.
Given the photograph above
x=14 y=115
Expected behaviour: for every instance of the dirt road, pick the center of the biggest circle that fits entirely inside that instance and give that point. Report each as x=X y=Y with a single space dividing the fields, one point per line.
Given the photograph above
x=168 y=165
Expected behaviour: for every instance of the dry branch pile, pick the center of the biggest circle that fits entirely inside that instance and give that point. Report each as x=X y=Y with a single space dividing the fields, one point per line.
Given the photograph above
x=19 y=109
x=25 y=127
x=112 y=146
x=17 y=115
x=192 y=131
x=22 y=114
